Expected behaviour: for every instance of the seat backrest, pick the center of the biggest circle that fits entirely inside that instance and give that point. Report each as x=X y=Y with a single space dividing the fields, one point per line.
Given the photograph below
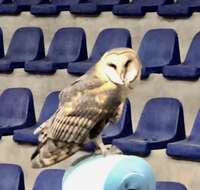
x=105 y=1
x=64 y=2
x=1 y=44
x=49 y=179
x=161 y=117
x=26 y=44
x=49 y=107
x=152 y=2
x=17 y=106
x=195 y=133
x=193 y=54
x=5 y=1
x=67 y=44
x=110 y=38
x=124 y=125
x=159 y=47
x=188 y=2
x=30 y=2
x=12 y=177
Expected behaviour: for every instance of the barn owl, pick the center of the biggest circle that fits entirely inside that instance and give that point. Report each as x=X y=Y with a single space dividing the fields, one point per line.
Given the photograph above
x=86 y=106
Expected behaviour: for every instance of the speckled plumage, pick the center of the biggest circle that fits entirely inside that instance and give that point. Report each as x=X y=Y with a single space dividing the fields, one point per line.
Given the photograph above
x=87 y=104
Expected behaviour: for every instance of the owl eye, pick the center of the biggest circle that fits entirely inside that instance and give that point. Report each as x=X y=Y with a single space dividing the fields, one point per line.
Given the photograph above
x=127 y=63
x=112 y=65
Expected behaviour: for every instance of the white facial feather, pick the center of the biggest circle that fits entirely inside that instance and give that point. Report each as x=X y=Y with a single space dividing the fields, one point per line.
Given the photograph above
x=120 y=66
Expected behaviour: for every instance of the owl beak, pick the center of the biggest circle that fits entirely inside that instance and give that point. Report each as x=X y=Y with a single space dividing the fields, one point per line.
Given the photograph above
x=131 y=75
x=114 y=76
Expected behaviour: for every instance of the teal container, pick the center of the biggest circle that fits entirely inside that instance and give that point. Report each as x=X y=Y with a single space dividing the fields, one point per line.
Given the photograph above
x=114 y=172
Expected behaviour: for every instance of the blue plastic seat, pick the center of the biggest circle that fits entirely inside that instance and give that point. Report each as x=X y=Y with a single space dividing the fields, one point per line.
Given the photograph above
x=168 y=185
x=159 y=47
x=188 y=149
x=50 y=179
x=138 y=7
x=161 y=122
x=90 y=7
x=16 y=110
x=122 y=129
x=182 y=8
x=49 y=107
x=107 y=39
x=190 y=68
x=17 y=6
x=26 y=45
x=52 y=8
x=68 y=45
x=11 y=177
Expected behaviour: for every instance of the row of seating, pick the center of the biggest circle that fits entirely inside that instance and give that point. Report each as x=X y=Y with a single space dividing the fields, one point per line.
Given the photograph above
x=17 y=116
x=159 y=52
x=12 y=177
x=161 y=125
x=166 y=8
x=26 y=50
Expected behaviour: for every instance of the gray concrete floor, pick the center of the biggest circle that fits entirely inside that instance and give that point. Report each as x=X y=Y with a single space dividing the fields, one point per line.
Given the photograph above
x=188 y=93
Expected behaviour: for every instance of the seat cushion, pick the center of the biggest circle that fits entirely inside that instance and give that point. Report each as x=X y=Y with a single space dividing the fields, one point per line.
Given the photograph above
x=80 y=68
x=26 y=135
x=128 y=10
x=182 y=72
x=7 y=126
x=9 y=9
x=146 y=71
x=45 y=9
x=109 y=133
x=185 y=149
x=132 y=145
x=84 y=8
x=107 y=5
x=5 y=66
x=174 y=10
x=40 y=67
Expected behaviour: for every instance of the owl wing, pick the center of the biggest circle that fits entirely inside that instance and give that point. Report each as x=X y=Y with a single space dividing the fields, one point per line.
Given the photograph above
x=76 y=117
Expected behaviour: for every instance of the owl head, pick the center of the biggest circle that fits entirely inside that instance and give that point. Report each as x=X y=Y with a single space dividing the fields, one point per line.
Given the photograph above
x=120 y=66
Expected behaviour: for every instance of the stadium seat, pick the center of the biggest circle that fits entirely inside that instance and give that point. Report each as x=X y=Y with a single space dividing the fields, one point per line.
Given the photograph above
x=167 y=185
x=190 y=68
x=49 y=107
x=138 y=7
x=159 y=47
x=11 y=177
x=26 y=45
x=93 y=7
x=188 y=149
x=52 y=8
x=49 y=179
x=161 y=122
x=17 y=6
x=122 y=129
x=182 y=8
x=16 y=110
x=68 y=45
x=107 y=39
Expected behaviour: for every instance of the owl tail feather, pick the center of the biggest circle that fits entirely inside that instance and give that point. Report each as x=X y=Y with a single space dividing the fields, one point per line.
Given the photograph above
x=51 y=152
